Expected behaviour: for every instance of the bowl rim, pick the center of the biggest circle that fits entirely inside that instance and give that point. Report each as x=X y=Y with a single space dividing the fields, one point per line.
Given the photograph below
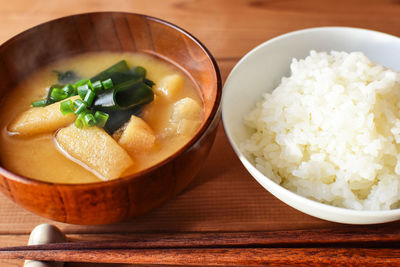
x=259 y=176
x=207 y=121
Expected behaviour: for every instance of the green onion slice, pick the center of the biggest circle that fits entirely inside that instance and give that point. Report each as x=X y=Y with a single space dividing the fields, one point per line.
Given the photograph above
x=80 y=83
x=82 y=90
x=80 y=122
x=58 y=94
x=66 y=107
x=39 y=103
x=101 y=118
x=107 y=84
x=80 y=105
x=89 y=97
x=69 y=90
x=97 y=86
x=89 y=119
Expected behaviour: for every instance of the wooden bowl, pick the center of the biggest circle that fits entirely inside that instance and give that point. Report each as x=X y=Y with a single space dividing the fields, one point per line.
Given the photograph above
x=116 y=200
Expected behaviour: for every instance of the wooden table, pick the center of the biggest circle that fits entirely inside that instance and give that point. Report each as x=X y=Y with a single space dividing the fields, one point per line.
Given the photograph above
x=223 y=197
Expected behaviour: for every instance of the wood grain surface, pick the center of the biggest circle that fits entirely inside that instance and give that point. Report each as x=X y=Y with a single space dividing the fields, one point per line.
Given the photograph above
x=223 y=197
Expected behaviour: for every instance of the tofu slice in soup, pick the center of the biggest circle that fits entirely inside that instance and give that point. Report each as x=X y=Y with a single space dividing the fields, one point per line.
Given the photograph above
x=41 y=120
x=170 y=86
x=136 y=136
x=95 y=149
x=186 y=116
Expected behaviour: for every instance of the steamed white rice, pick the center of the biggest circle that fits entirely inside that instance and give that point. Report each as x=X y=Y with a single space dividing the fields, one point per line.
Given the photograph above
x=331 y=131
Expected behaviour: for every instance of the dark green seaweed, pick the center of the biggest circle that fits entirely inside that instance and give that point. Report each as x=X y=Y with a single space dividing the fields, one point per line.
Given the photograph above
x=120 y=73
x=114 y=70
x=127 y=95
x=117 y=118
x=131 y=90
x=66 y=77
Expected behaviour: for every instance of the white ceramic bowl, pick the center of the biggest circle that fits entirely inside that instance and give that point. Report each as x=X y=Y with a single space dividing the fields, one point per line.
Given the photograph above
x=261 y=70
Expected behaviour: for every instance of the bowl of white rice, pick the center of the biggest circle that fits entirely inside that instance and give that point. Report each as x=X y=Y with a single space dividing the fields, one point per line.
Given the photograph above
x=314 y=116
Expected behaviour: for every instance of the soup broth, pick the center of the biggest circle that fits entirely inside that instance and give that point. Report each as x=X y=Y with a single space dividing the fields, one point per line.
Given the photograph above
x=38 y=156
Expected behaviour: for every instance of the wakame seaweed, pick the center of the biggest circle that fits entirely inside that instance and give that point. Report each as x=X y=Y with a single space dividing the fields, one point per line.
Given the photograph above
x=113 y=95
x=117 y=118
x=67 y=76
x=127 y=95
x=125 y=98
x=115 y=72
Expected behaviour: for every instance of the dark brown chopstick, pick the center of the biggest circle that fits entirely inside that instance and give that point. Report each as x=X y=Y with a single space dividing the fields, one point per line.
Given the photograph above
x=325 y=246
x=352 y=236
x=225 y=256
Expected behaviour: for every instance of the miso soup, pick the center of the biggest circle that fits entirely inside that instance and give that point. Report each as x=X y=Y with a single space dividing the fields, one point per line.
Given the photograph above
x=97 y=116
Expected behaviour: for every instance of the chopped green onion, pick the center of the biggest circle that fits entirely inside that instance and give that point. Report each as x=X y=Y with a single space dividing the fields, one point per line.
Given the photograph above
x=54 y=86
x=101 y=118
x=66 y=107
x=79 y=122
x=80 y=106
x=89 y=97
x=40 y=103
x=107 y=84
x=97 y=86
x=81 y=82
x=82 y=90
x=58 y=94
x=69 y=90
x=78 y=102
x=89 y=119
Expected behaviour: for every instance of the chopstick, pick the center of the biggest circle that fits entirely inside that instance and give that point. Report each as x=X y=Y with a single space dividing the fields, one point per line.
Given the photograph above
x=301 y=247
x=226 y=257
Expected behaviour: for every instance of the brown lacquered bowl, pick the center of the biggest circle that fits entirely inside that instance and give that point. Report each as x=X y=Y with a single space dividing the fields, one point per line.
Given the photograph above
x=117 y=200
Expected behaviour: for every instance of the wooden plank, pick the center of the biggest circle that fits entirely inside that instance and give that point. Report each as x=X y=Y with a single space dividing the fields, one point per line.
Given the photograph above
x=12 y=240
x=228 y=28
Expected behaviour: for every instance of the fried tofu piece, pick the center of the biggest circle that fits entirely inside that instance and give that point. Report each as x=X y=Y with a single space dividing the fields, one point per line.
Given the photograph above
x=137 y=136
x=170 y=86
x=41 y=120
x=186 y=108
x=187 y=127
x=186 y=116
x=94 y=149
